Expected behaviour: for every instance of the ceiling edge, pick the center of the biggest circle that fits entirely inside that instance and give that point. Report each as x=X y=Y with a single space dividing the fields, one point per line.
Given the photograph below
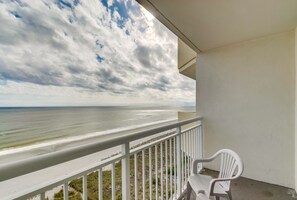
x=243 y=42
x=162 y=18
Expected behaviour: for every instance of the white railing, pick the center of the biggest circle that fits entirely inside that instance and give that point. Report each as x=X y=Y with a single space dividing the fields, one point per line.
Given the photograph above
x=159 y=167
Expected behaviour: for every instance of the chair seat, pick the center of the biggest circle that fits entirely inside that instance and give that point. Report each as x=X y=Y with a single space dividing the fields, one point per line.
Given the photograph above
x=202 y=197
x=200 y=184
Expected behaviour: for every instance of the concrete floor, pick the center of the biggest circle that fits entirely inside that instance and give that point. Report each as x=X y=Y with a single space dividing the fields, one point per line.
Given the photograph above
x=247 y=189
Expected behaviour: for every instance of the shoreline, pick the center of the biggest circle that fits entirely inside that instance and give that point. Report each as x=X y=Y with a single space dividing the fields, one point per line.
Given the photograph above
x=23 y=152
x=62 y=140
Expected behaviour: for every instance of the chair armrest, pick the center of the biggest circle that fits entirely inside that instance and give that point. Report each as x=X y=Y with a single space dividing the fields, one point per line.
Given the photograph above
x=213 y=182
x=197 y=161
x=202 y=160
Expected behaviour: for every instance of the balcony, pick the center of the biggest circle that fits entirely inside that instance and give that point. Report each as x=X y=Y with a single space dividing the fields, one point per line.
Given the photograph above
x=245 y=79
x=162 y=159
x=244 y=61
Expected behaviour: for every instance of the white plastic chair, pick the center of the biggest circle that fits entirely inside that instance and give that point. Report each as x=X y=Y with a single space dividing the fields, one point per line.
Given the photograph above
x=218 y=187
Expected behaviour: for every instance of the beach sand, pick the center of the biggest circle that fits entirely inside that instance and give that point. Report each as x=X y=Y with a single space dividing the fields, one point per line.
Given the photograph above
x=30 y=182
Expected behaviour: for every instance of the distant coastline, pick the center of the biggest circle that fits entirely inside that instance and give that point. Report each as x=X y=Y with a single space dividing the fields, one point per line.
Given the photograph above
x=73 y=139
x=178 y=108
x=30 y=131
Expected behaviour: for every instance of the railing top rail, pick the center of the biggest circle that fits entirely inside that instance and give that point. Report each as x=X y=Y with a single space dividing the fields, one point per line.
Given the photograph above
x=151 y=144
x=18 y=168
x=26 y=194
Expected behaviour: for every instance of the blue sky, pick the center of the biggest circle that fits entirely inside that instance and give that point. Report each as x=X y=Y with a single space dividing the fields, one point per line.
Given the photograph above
x=86 y=53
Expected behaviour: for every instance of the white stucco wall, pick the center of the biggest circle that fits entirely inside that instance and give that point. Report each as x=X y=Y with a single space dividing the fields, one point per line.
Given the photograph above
x=296 y=110
x=246 y=94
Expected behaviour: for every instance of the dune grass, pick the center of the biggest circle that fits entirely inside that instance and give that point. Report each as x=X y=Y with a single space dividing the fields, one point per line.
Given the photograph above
x=92 y=179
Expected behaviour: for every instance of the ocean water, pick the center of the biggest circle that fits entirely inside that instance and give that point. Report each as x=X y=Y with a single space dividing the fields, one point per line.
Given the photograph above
x=21 y=127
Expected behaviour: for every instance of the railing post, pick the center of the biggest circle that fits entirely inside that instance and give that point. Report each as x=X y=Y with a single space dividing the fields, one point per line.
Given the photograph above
x=201 y=139
x=42 y=196
x=85 y=187
x=65 y=191
x=178 y=161
x=126 y=172
x=200 y=142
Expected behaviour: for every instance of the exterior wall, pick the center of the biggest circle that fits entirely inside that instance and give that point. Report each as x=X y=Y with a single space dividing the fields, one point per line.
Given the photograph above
x=246 y=94
x=296 y=110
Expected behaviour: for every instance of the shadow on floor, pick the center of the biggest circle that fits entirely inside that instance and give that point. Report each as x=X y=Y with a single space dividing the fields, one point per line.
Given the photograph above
x=248 y=189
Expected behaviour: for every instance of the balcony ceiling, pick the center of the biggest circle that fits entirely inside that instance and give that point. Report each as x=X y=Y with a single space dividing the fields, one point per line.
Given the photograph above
x=208 y=24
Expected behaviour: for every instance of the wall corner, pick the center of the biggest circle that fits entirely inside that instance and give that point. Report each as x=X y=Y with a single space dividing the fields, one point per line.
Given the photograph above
x=296 y=109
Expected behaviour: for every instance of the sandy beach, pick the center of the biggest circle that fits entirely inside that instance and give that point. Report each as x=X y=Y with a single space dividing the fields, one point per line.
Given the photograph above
x=9 y=189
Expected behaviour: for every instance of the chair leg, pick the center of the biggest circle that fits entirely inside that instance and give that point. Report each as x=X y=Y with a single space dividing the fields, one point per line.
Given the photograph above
x=189 y=191
x=229 y=195
x=217 y=198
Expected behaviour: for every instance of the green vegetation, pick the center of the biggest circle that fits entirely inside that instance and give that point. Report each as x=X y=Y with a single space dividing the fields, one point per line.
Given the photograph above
x=73 y=195
x=75 y=190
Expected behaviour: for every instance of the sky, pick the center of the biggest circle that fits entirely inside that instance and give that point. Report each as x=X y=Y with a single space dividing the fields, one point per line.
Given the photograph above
x=87 y=53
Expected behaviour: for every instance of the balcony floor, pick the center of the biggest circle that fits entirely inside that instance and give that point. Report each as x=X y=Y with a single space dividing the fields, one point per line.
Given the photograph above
x=247 y=189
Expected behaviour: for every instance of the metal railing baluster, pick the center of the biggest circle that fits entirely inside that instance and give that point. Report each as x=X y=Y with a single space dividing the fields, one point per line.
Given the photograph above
x=100 y=193
x=156 y=170
x=170 y=150
x=161 y=162
x=143 y=175
x=178 y=162
x=174 y=167
x=166 y=166
x=65 y=191
x=85 y=188
x=135 y=176
x=126 y=171
x=113 y=181
x=42 y=196
x=189 y=158
x=150 y=172
x=182 y=161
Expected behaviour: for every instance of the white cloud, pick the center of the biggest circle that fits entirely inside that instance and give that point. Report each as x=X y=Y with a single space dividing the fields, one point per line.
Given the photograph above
x=85 y=50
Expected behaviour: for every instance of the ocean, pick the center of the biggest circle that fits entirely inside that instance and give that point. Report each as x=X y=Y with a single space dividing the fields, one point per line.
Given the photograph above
x=26 y=127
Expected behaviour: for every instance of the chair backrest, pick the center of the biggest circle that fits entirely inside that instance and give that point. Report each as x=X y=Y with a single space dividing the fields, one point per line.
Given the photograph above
x=230 y=162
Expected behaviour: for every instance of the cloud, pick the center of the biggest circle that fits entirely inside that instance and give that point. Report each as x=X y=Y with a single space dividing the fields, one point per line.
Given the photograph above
x=149 y=56
x=107 y=48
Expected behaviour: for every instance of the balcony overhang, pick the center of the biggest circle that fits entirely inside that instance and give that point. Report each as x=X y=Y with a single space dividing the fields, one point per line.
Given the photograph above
x=189 y=69
x=186 y=60
x=205 y=25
